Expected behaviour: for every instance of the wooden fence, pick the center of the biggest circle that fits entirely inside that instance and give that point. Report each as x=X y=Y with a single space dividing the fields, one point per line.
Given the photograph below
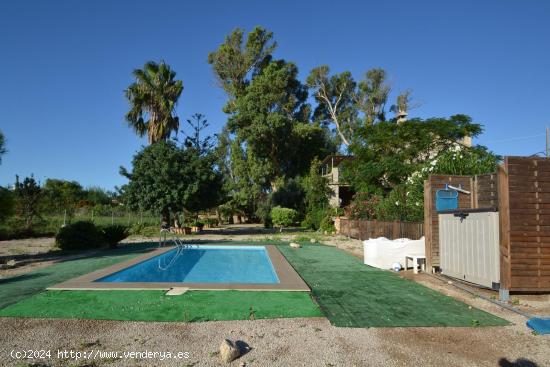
x=365 y=229
x=520 y=190
x=524 y=198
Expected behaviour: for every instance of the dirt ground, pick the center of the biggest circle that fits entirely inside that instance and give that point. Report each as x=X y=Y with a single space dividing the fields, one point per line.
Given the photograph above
x=280 y=342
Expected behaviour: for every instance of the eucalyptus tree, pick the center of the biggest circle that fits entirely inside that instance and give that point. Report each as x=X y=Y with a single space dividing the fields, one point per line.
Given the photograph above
x=235 y=61
x=269 y=134
x=335 y=100
x=153 y=97
x=348 y=105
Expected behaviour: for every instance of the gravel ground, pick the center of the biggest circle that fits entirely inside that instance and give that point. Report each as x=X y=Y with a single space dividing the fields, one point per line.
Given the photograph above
x=280 y=342
x=288 y=342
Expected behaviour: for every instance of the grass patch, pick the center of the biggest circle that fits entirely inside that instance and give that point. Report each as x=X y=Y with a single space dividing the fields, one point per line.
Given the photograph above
x=355 y=295
x=155 y=306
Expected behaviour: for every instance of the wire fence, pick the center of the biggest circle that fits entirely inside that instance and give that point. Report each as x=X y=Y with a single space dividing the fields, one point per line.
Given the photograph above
x=103 y=218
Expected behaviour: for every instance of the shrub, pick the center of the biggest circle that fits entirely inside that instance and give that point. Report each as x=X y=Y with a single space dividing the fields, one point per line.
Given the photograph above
x=197 y=224
x=7 y=204
x=283 y=217
x=327 y=224
x=316 y=217
x=113 y=234
x=79 y=236
x=211 y=222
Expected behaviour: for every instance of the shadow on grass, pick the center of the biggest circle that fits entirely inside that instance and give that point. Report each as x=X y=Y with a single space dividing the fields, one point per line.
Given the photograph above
x=18 y=278
x=18 y=287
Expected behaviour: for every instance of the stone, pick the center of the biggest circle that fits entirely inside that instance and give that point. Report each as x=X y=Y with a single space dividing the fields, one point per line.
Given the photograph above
x=177 y=291
x=295 y=245
x=229 y=351
x=313 y=240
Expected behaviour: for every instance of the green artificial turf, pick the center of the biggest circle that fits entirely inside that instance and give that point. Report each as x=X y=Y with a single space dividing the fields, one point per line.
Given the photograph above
x=355 y=295
x=155 y=306
x=16 y=288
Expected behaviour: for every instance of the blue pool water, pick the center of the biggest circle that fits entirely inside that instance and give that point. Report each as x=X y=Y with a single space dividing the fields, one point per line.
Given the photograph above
x=203 y=264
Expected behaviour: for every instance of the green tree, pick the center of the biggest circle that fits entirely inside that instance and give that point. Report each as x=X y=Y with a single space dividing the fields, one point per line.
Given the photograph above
x=153 y=98
x=166 y=178
x=283 y=217
x=98 y=196
x=62 y=195
x=390 y=167
x=269 y=137
x=335 y=101
x=317 y=192
x=235 y=60
x=28 y=196
x=7 y=204
x=350 y=105
x=208 y=181
x=387 y=153
x=372 y=95
x=159 y=179
x=2 y=146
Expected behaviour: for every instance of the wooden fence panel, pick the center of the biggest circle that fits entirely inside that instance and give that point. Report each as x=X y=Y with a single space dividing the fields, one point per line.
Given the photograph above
x=525 y=228
x=365 y=229
x=486 y=191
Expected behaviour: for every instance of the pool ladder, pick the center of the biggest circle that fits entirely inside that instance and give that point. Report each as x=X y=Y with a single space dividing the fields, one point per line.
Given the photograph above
x=180 y=246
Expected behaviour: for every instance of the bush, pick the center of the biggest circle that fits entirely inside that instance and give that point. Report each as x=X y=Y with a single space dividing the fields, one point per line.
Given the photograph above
x=113 y=234
x=315 y=218
x=79 y=236
x=197 y=224
x=7 y=204
x=283 y=217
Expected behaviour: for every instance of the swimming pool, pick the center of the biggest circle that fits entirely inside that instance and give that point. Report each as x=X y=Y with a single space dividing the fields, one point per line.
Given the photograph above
x=196 y=267
x=202 y=264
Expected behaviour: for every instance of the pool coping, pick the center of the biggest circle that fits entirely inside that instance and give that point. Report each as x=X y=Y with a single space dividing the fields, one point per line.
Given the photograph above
x=289 y=279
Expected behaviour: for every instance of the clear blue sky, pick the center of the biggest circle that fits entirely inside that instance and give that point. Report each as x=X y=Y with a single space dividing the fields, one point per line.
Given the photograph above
x=65 y=65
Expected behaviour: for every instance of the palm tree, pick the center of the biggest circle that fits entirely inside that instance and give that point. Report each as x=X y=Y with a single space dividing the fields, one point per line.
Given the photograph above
x=153 y=97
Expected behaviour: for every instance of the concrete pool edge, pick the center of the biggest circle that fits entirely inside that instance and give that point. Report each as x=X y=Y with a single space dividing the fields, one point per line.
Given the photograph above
x=289 y=279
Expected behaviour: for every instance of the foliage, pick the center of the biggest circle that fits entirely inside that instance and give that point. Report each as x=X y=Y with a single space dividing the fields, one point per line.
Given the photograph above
x=7 y=204
x=79 y=235
x=388 y=153
x=289 y=195
x=113 y=234
x=166 y=178
x=283 y=217
x=351 y=105
x=62 y=195
x=317 y=192
x=153 y=98
x=28 y=196
x=454 y=161
x=160 y=179
x=235 y=60
x=2 y=146
x=197 y=223
x=363 y=206
x=98 y=196
x=269 y=137
x=406 y=201
x=207 y=187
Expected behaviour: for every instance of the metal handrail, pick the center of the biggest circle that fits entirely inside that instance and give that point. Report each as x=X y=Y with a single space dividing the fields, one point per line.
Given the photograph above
x=177 y=241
